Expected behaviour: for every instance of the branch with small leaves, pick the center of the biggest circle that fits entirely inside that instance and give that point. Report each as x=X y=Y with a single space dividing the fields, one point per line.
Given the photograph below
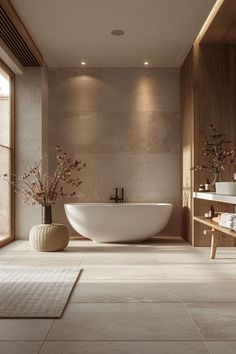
x=218 y=153
x=45 y=188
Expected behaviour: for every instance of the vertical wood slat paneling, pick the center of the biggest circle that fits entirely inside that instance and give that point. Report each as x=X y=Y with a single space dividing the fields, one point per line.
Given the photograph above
x=215 y=101
x=8 y=39
x=214 y=82
x=13 y=39
x=222 y=29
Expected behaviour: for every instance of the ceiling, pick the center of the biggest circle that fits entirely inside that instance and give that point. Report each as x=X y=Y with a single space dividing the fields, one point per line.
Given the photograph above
x=68 y=32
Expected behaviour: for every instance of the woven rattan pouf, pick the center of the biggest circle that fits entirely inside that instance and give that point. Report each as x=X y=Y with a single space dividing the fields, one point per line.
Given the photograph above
x=49 y=237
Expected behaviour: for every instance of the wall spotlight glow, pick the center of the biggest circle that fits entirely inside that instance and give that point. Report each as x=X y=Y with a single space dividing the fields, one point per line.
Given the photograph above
x=83 y=63
x=146 y=63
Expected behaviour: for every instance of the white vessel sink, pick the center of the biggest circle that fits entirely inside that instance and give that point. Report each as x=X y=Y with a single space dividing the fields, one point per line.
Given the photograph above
x=227 y=188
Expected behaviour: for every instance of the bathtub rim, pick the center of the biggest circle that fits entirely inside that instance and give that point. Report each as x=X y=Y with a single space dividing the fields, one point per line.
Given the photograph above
x=131 y=204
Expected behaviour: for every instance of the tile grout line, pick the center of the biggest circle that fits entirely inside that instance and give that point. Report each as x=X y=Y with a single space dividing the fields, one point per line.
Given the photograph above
x=45 y=338
x=152 y=302
x=119 y=340
x=124 y=340
x=191 y=319
x=205 y=342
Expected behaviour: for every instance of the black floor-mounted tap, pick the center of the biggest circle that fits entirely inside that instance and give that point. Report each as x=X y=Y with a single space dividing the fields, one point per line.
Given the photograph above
x=116 y=198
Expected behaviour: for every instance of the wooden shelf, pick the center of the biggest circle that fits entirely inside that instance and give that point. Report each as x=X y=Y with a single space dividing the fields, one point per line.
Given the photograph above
x=229 y=199
x=214 y=225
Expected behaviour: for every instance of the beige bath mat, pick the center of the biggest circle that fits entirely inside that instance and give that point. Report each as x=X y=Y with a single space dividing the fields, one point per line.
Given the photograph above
x=35 y=292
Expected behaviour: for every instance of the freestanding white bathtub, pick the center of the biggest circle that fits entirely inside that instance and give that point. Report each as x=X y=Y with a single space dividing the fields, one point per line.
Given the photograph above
x=111 y=222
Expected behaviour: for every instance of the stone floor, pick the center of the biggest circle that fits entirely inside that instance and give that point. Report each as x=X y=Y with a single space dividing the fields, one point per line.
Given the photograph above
x=158 y=297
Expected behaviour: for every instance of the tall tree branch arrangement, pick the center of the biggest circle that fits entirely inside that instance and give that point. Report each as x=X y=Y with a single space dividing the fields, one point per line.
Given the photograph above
x=45 y=188
x=218 y=152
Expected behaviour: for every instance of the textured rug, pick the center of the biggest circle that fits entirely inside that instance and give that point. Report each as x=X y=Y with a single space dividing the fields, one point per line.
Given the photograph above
x=35 y=292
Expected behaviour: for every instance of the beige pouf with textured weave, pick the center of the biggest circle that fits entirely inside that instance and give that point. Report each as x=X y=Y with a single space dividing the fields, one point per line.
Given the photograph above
x=49 y=237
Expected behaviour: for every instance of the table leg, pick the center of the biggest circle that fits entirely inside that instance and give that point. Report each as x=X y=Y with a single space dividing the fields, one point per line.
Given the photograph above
x=214 y=244
x=214 y=240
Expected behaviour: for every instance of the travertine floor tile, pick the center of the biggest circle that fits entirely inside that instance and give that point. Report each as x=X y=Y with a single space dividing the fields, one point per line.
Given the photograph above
x=127 y=347
x=203 y=290
x=160 y=296
x=215 y=321
x=218 y=347
x=24 y=329
x=120 y=259
x=124 y=321
x=123 y=291
x=123 y=272
x=200 y=271
x=20 y=347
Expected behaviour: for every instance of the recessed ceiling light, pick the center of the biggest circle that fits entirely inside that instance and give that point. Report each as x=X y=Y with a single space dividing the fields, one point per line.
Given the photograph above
x=146 y=63
x=83 y=63
x=117 y=32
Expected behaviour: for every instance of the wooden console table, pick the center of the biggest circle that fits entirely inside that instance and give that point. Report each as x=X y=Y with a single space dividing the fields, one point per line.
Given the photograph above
x=215 y=228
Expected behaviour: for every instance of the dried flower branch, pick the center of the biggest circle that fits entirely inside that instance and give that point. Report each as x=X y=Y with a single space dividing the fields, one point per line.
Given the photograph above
x=218 y=153
x=45 y=188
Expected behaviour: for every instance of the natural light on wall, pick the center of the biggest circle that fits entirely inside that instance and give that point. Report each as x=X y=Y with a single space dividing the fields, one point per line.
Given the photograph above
x=5 y=155
x=4 y=86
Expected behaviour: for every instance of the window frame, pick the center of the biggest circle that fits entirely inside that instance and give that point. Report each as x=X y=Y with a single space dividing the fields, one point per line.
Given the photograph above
x=11 y=237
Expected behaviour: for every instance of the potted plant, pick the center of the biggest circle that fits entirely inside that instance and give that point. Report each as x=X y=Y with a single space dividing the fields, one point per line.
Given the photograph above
x=218 y=154
x=45 y=189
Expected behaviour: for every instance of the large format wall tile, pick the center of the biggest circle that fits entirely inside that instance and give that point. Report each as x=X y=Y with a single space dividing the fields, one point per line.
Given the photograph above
x=145 y=178
x=93 y=132
x=124 y=123
x=140 y=90
x=116 y=132
x=29 y=114
x=75 y=89
x=163 y=132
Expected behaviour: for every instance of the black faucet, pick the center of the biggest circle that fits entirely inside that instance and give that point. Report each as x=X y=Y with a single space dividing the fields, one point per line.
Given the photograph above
x=116 y=198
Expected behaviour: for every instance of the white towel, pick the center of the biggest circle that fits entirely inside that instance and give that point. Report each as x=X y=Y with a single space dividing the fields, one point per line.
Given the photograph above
x=229 y=225
x=227 y=217
x=234 y=225
x=228 y=220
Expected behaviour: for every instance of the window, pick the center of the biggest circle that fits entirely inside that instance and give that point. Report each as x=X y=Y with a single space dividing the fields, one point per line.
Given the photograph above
x=6 y=153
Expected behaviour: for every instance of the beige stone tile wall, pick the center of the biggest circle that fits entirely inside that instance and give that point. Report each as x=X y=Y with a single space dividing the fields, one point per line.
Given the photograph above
x=125 y=124
x=29 y=117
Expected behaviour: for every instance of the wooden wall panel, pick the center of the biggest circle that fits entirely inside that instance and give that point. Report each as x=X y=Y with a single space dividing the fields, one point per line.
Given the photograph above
x=212 y=101
x=215 y=103
x=187 y=107
x=216 y=93
x=223 y=28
